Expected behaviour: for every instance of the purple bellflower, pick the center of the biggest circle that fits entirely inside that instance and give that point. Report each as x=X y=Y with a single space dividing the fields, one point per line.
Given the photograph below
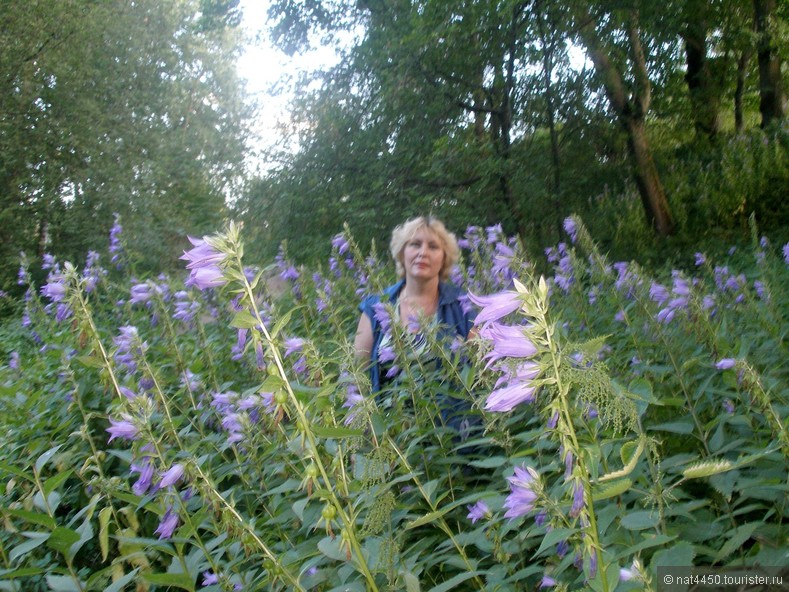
x=146 y=472
x=353 y=400
x=123 y=428
x=523 y=492
x=116 y=248
x=507 y=398
x=171 y=476
x=578 y=499
x=168 y=524
x=204 y=265
x=293 y=345
x=340 y=243
x=478 y=511
x=726 y=364
x=547 y=582
x=508 y=342
x=571 y=229
x=55 y=288
x=495 y=306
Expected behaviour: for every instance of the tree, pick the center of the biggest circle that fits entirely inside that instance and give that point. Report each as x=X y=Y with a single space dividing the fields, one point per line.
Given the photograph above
x=128 y=107
x=703 y=90
x=629 y=98
x=771 y=95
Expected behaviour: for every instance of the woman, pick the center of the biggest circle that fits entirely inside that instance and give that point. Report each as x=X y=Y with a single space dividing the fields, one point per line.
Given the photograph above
x=424 y=253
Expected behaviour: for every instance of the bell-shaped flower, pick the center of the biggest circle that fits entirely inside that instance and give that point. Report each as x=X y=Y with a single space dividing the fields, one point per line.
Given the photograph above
x=509 y=341
x=203 y=278
x=204 y=265
x=123 y=428
x=55 y=289
x=507 y=398
x=478 y=511
x=495 y=306
x=202 y=255
x=171 y=476
x=168 y=524
x=524 y=486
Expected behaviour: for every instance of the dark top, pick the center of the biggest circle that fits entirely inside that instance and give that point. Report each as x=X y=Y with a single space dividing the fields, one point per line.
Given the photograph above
x=453 y=320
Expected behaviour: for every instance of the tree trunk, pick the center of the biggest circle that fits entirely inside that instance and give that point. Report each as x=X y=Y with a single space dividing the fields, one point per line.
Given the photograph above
x=479 y=97
x=653 y=197
x=548 y=48
x=739 y=91
x=703 y=93
x=771 y=97
x=502 y=139
x=630 y=107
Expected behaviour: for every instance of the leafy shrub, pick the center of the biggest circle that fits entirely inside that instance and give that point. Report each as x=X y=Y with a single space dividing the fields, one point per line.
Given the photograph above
x=219 y=434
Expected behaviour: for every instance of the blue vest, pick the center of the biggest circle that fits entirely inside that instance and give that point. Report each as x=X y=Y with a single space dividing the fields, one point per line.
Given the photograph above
x=452 y=319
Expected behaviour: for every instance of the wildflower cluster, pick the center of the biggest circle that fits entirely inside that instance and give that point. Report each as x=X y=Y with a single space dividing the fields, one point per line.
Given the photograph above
x=217 y=431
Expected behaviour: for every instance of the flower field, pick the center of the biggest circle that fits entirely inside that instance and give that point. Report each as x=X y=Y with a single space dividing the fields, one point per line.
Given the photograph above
x=214 y=431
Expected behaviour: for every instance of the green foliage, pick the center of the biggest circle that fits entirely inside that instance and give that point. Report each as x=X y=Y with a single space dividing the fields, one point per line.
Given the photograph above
x=132 y=108
x=426 y=112
x=295 y=476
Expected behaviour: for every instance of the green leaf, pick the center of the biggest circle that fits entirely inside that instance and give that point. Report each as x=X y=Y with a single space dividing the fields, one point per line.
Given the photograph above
x=8 y=468
x=61 y=540
x=119 y=584
x=331 y=548
x=298 y=507
x=90 y=361
x=630 y=453
x=335 y=432
x=44 y=458
x=411 y=582
x=627 y=451
x=36 y=540
x=554 y=536
x=489 y=463
x=21 y=573
x=244 y=320
x=282 y=321
x=34 y=517
x=104 y=531
x=652 y=540
x=85 y=531
x=52 y=483
x=683 y=426
x=452 y=583
x=680 y=555
x=739 y=536
x=63 y=584
x=601 y=492
x=51 y=504
x=183 y=581
x=427 y=518
x=640 y=389
x=640 y=520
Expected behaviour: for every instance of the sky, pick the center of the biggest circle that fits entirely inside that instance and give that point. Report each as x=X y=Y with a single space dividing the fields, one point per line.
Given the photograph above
x=269 y=74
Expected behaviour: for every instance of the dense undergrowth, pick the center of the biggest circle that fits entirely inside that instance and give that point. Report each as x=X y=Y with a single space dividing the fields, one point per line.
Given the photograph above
x=157 y=435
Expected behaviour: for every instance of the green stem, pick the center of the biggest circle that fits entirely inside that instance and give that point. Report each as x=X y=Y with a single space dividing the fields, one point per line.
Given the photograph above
x=217 y=497
x=563 y=392
x=442 y=524
x=308 y=434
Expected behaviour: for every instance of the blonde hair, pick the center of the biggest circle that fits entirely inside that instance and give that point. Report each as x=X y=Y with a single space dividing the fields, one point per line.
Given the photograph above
x=406 y=231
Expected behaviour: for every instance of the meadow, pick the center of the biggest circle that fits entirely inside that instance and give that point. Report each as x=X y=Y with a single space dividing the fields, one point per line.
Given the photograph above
x=213 y=431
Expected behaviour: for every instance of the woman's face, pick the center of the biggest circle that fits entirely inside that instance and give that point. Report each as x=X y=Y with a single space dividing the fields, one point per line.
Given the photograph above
x=423 y=255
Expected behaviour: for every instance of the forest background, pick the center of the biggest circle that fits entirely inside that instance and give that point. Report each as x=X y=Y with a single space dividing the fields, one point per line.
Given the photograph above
x=672 y=132
x=167 y=430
